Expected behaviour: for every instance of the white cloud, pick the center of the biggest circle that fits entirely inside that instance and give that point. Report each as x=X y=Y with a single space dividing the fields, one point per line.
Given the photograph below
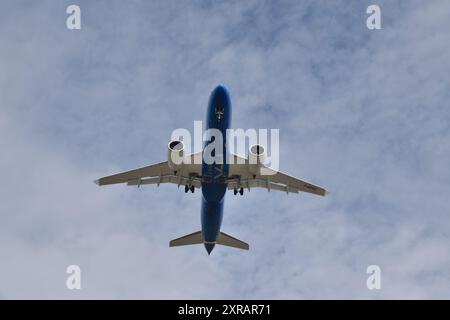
x=361 y=112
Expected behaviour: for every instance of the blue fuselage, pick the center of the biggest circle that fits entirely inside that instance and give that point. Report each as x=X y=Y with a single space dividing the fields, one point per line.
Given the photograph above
x=214 y=174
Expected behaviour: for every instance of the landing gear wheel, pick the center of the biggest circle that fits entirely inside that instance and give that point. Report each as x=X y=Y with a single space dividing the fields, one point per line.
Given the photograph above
x=235 y=191
x=241 y=191
x=192 y=189
x=186 y=189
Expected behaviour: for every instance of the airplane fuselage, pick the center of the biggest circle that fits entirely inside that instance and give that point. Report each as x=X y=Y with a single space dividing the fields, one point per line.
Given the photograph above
x=215 y=174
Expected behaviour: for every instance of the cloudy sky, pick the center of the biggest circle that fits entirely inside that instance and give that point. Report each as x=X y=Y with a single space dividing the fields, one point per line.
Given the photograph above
x=363 y=113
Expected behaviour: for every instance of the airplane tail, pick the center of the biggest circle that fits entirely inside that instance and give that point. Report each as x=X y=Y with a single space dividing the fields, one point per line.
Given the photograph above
x=227 y=240
x=196 y=238
x=193 y=238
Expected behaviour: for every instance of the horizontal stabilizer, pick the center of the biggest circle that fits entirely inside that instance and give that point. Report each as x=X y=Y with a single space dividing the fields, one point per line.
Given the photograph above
x=227 y=240
x=193 y=238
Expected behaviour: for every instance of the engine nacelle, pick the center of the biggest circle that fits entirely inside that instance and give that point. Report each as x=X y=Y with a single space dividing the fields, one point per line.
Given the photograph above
x=175 y=154
x=256 y=158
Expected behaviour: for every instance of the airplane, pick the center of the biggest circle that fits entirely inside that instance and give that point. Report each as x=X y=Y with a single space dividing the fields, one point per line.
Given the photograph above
x=214 y=179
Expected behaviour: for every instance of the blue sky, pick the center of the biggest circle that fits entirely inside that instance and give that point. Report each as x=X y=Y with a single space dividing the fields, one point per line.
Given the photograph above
x=363 y=113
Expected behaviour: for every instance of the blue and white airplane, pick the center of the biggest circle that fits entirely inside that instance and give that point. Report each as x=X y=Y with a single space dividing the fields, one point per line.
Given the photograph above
x=214 y=179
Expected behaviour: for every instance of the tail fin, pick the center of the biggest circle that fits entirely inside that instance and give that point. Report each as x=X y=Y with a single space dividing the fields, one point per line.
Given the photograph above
x=197 y=238
x=227 y=240
x=193 y=238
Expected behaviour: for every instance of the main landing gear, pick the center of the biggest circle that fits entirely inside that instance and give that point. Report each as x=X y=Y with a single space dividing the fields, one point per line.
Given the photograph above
x=189 y=188
x=241 y=191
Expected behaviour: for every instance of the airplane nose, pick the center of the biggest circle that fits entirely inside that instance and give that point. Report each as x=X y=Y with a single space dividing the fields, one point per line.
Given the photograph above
x=220 y=93
x=220 y=101
x=209 y=246
x=220 y=89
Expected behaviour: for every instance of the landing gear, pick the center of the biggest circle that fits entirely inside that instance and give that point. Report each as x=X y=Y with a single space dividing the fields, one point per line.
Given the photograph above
x=186 y=189
x=235 y=191
x=192 y=189
x=189 y=188
x=241 y=191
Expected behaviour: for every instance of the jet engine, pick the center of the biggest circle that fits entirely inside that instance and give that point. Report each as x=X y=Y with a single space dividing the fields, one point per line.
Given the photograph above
x=256 y=158
x=175 y=154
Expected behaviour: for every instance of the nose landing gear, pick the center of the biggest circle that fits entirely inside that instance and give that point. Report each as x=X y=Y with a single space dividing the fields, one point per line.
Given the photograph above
x=188 y=188
x=240 y=191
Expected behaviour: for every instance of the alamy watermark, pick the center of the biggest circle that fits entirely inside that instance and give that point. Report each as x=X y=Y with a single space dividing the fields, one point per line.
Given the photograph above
x=373 y=22
x=73 y=21
x=229 y=149
x=73 y=281
x=374 y=280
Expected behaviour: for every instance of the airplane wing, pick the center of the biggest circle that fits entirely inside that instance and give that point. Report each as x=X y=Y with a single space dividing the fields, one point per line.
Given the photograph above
x=189 y=174
x=240 y=177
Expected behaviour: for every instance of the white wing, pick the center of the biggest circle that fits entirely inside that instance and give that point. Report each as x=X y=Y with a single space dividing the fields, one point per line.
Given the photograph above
x=239 y=176
x=189 y=174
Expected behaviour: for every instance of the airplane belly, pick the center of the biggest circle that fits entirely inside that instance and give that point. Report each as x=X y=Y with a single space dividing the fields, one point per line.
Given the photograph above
x=214 y=175
x=212 y=214
x=213 y=191
x=214 y=181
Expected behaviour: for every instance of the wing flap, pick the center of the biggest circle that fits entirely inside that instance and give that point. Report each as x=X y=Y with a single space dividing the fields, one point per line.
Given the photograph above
x=301 y=185
x=156 y=172
x=260 y=183
x=240 y=177
x=180 y=180
x=123 y=177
